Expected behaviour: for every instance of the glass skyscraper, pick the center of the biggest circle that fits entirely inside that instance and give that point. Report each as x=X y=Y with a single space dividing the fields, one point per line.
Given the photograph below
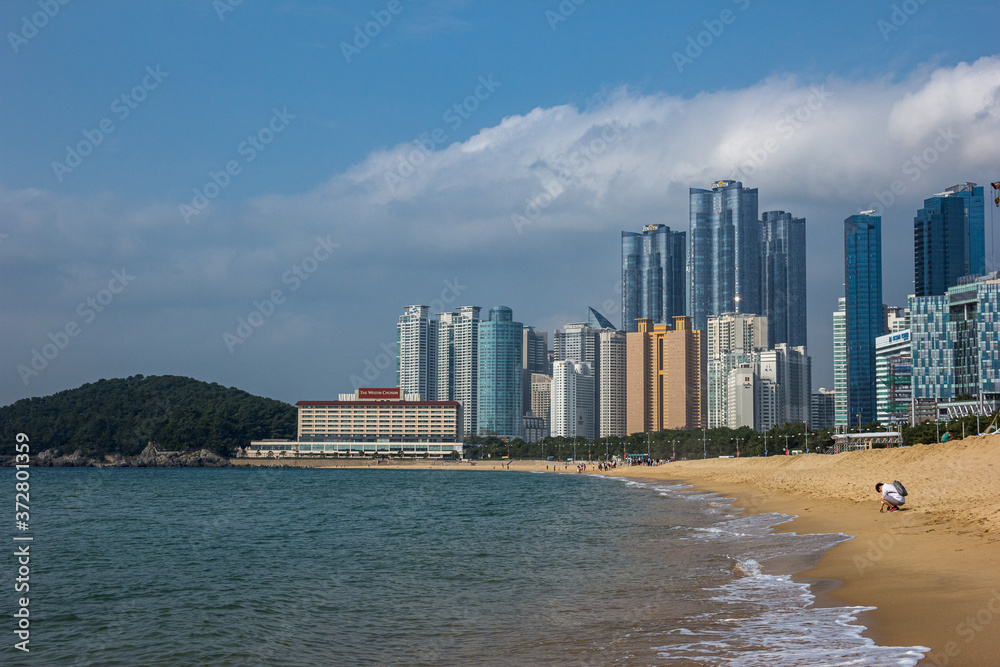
x=949 y=239
x=653 y=275
x=863 y=284
x=723 y=252
x=783 y=278
x=500 y=397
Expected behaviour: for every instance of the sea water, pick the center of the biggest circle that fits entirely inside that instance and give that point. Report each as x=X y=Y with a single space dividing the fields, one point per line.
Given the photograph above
x=415 y=567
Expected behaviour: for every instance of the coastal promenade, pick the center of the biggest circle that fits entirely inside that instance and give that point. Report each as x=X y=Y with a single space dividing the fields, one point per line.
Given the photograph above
x=932 y=570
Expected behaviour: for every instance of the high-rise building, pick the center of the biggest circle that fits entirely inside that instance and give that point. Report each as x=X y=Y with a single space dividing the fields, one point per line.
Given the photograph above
x=572 y=411
x=723 y=252
x=458 y=363
x=783 y=277
x=416 y=360
x=541 y=395
x=500 y=396
x=822 y=409
x=665 y=369
x=581 y=342
x=840 y=364
x=956 y=342
x=789 y=369
x=894 y=376
x=611 y=389
x=863 y=283
x=949 y=239
x=894 y=319
x=654 y=271
x=732 y=340
x=534 y=359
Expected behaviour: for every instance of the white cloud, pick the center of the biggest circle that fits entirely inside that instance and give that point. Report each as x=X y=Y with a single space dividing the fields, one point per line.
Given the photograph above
x=821 y=150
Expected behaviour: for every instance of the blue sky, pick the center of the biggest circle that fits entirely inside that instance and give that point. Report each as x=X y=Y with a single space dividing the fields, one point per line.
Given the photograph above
x=355 y=187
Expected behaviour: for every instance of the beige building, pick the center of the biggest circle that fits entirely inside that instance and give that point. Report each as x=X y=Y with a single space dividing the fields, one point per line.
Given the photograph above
x=664 y=377
x=541 y=396
x=371 y=422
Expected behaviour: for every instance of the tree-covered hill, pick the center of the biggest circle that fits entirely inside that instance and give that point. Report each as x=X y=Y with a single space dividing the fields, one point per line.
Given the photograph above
x=122 y=415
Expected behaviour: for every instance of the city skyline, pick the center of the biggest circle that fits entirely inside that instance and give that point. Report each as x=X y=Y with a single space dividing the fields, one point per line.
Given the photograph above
x=207 y=209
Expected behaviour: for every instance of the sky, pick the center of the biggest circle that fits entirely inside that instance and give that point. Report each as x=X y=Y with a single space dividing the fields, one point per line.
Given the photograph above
x=251 y=192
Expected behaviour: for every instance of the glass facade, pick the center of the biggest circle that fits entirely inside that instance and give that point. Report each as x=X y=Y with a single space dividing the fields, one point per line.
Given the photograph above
x=863 y=284
x=940 y=242
x=653 y=275
x=500 y=397
x=723 y=252
x=956 y=341
x=783 y=277
x=949 y=240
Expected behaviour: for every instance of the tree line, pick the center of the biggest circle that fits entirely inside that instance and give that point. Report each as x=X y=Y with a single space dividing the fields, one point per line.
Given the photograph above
x=121 y=415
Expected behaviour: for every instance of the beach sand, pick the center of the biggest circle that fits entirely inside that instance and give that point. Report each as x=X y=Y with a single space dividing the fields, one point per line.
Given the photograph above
x=932 y=570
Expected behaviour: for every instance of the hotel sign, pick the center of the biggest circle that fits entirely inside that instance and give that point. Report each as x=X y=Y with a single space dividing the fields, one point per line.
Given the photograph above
x=379 y=392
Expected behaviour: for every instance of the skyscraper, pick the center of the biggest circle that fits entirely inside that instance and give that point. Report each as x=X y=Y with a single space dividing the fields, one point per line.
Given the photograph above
x=458 y=363
x=840 y=364
x=581 y=342
x=783 y=277
x=863 y=300
x=500 y=410
x=534 y=359
x=416 y=361
x=572 y=408
x=948 y=239
x=724 y=252
x=665 y=370
x=732 y=340
x=611 y=389
x=956 y=342
x=653 y=275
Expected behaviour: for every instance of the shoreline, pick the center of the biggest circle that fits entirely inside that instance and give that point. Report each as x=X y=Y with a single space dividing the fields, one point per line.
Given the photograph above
x=931 y=571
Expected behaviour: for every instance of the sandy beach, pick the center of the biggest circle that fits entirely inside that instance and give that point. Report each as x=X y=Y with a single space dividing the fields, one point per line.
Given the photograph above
x=932 y=570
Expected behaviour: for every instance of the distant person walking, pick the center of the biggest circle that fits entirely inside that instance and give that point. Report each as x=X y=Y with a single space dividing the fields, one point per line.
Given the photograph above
x=891 y=497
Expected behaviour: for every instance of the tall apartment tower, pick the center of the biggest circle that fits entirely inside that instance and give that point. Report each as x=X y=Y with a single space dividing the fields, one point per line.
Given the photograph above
x=581 y=342
x=863 y=284
x=572 y=410
x=665 y=369
x=541 y=396
x=723 y=252
x=733 y=339
x=783 y=277
x=840 y=365
x=949 y=239
x=458 y=363
x=500 y=408
x=654 y=279
x=534 y=359
x=416 y=361
x=611 y=389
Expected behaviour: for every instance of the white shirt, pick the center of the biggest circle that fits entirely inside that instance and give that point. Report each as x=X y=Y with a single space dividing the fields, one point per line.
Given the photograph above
x=891 y=495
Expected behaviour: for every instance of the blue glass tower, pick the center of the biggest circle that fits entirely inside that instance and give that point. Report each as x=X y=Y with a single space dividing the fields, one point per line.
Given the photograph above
x=783 y=278
x=653 y=280
x=863 y=284
x=949 y=239
x=724 y=252
x=500 y=407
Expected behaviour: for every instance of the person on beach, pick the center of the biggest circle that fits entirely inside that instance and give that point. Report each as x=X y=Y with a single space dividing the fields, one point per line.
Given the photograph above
x=891 y=497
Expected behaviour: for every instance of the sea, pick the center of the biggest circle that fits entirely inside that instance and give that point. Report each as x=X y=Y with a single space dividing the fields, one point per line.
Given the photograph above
x=413 y=567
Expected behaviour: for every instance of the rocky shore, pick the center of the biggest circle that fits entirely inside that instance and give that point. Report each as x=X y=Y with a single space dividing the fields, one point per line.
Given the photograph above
x=150 y=457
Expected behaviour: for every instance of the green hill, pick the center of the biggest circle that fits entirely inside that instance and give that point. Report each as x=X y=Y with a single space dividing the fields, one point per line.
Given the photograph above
x=122 y=415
